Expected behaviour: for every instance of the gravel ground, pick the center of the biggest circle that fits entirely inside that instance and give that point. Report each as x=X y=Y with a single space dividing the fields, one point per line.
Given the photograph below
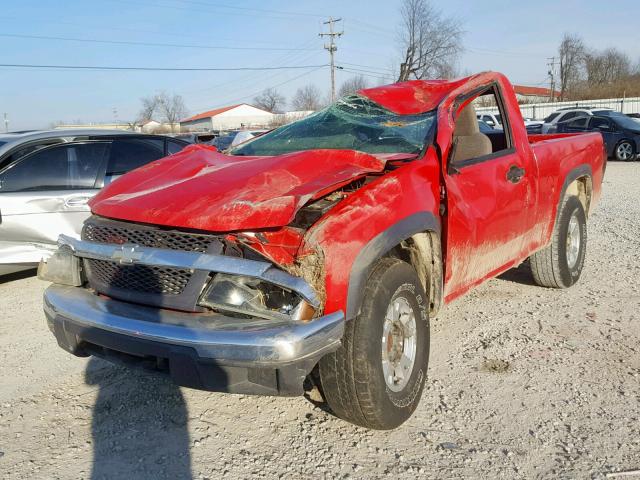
x=524 y=382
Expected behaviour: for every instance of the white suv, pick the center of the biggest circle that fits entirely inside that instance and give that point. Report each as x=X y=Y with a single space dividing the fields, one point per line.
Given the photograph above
x=494 y=120
x=567 y=113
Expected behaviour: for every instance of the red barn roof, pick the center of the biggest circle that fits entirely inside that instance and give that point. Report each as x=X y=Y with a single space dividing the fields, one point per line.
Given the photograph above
x=534 y=91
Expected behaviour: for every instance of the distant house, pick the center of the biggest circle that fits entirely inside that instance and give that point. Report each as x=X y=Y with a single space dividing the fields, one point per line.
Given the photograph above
x=226 y=118
x=149 y=126
x=534 y=94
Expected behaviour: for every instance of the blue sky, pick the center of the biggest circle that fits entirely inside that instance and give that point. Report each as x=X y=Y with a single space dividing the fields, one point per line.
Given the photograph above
x=512 y=37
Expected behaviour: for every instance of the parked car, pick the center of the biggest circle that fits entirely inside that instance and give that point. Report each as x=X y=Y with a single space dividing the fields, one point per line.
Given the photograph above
x=223 y=141
x=47 y=178
x=485 y=127
x=567 y=113
x=534 y=127
x=494 y=120
x=234 y=138
x=187 y=137
x=621 y=134
x=316 y=253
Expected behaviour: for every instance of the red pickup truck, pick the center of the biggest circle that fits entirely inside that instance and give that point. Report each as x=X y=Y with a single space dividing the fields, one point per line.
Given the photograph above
x=314 y=255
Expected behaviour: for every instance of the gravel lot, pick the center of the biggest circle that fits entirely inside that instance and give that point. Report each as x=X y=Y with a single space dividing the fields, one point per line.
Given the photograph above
x=524 y=382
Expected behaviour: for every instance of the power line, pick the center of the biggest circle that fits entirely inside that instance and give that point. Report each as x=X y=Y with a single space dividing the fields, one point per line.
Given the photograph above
x=92 y=27
x=371 y=26
x=359 y=72
x=260 y=91
x=146 y=44
x=158 y=69
x=382 y=69
x=284 y=60
x=488 y=51
x=212 y=8
x=343 y=66
x=332 y=48
x=250 y=9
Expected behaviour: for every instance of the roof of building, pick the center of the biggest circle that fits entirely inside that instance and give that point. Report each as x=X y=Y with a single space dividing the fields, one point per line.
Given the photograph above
x=534 y=91
x=217 y=111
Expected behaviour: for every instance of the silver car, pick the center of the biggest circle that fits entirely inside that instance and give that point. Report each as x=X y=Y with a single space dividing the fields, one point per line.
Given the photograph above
x=47 y=178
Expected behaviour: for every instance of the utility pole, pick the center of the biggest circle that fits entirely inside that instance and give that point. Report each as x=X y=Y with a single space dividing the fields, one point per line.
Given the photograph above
x=6 y=123
x=331 y=47
x=552 y=76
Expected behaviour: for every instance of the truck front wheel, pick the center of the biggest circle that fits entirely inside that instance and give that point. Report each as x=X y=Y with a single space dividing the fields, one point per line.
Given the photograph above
x=559 y=265
x=375 y=379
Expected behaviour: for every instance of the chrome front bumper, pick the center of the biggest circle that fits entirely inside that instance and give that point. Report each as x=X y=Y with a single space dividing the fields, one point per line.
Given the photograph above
x=204 y=351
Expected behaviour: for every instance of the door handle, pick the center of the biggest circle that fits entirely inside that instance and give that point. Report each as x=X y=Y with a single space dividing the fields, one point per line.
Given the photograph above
x=515 y=173
x=79 y=201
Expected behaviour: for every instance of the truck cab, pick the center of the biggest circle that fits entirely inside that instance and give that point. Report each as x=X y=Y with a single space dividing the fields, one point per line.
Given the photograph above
x=314 y=256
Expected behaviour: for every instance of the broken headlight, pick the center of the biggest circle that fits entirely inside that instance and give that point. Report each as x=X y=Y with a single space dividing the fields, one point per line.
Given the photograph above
x=255 y=298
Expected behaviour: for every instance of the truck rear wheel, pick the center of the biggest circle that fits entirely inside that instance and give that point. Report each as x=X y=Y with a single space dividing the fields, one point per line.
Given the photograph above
x=375 y=379
x=560 y=264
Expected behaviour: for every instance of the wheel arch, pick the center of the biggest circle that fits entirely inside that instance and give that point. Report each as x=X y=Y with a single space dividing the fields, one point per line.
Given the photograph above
x=579 y=183
x=414 y=239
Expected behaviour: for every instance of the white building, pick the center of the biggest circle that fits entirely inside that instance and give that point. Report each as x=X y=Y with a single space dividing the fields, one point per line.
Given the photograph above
x=227 y=118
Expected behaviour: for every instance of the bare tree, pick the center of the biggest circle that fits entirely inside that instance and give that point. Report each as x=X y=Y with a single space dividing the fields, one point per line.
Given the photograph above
x=352 y=85
x=171 y=107
x=270 y=100
x=429 y=41
x=606 y=67
x=307 y=98
x=149 y=108
x=572 y=53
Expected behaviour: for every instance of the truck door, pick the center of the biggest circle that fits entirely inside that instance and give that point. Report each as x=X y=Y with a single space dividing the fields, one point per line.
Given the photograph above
x=44 y=194
x=490 y=182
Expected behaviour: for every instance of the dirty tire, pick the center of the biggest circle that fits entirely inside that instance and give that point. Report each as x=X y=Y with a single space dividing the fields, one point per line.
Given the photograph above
x=624 y=151
x=555 y=266
x=352 y=378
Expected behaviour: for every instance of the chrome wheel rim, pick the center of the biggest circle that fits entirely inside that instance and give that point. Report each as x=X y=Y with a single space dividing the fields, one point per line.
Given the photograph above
x=398 y=344
x=573 y=241
x=625 y=151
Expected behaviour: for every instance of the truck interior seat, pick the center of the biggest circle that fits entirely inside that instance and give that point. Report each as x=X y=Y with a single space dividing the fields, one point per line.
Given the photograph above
x=470 y=143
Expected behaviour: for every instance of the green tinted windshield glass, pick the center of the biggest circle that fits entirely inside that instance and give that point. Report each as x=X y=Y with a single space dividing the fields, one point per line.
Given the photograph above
x=352 y=123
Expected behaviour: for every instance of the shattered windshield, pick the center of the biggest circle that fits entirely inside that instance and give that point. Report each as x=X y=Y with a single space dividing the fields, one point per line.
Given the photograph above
x=352 y=123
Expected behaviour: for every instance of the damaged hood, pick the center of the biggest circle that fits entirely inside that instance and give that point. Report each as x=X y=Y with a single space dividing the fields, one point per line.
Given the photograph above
x=203 y=189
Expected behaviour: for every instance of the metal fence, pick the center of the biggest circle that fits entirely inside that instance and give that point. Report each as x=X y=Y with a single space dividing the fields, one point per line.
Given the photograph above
x=539 y=111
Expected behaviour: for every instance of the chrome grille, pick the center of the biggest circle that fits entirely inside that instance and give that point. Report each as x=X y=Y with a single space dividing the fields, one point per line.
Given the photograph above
x=159 y=286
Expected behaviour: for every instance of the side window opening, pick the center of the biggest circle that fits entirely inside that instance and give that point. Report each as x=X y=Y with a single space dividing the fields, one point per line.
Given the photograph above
x=551 y=117
x=580 y=122
x=599 y=122
x=470 y=143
